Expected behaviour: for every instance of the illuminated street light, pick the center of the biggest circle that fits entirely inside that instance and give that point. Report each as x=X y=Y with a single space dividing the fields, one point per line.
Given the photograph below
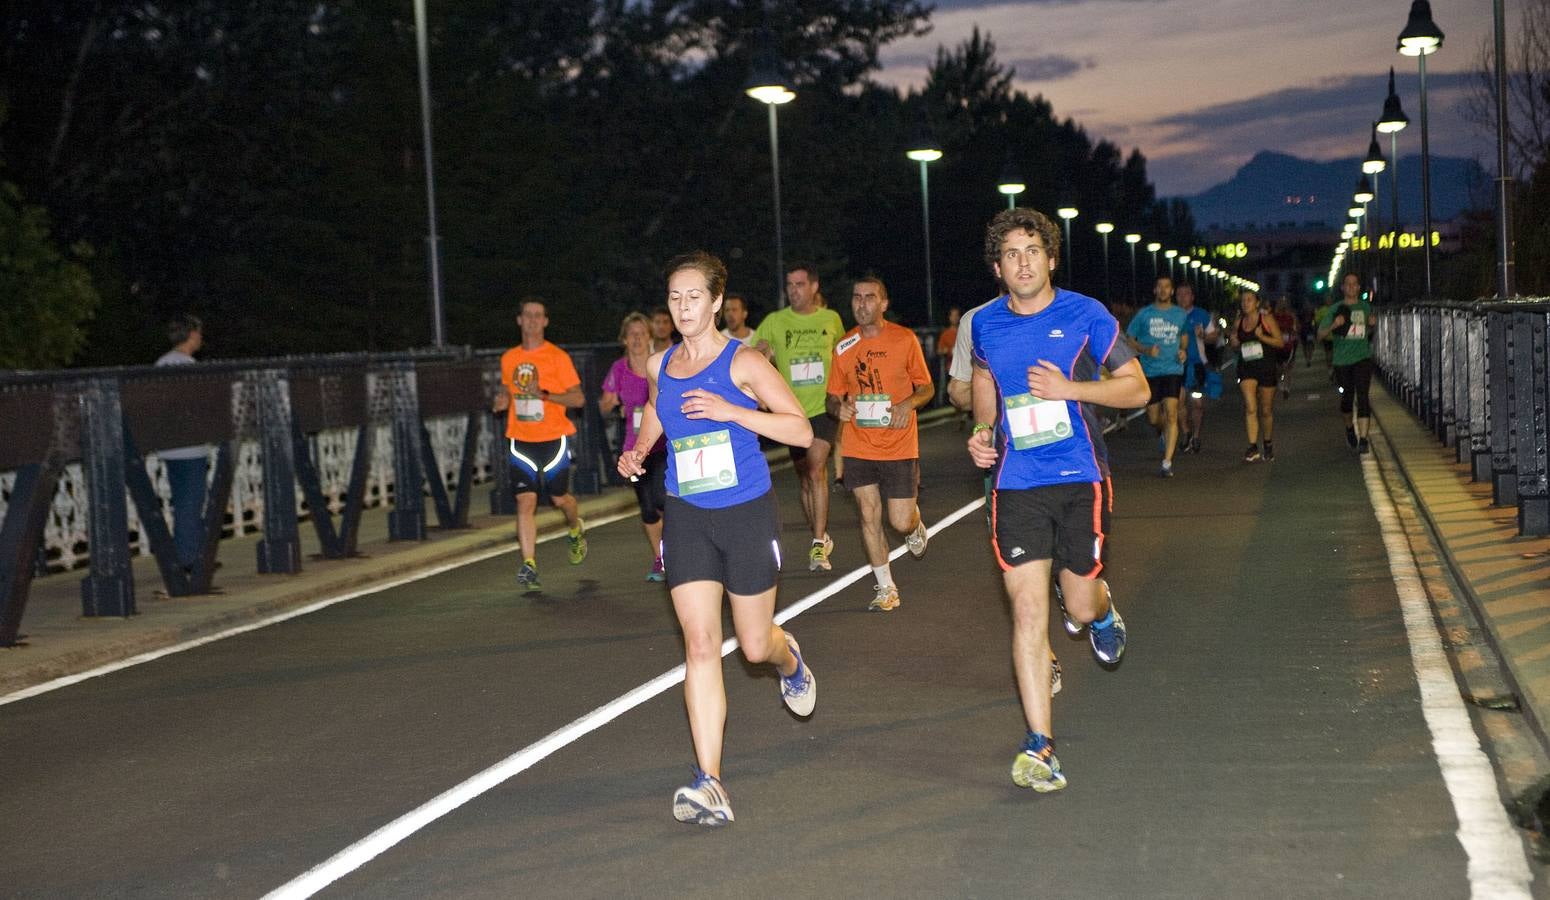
x=1066 y=214
x=1152 y=248
x=1133 y=239
x=1391 y=123
x=1171 y=255
x=924 y=149
x=1011 y=182
x=1421 y=38
x=1105 y=228
x=766 y=85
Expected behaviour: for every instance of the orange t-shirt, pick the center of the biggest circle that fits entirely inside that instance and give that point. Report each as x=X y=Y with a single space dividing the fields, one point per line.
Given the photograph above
x=525 y=373
x=878 y=372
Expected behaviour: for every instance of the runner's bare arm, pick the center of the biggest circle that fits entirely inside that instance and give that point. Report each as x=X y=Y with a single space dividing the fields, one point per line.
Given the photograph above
x=981 y=447
x=570 y=399
x=1125 y=388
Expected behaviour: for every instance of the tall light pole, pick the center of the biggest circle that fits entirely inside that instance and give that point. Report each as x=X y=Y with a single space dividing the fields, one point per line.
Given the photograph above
x=1364 y=195
x=1105 y=228
x=1505 y=263
x=1184 y=266
x=925 y=150
x=1066 y=214
x=1392 y=123
x=432 y=239
x=1152 y=248
x=1374 y=165
x=766 y=85
x=1171 y=255
x=1133 y=239
x=1011 y=182
x=1421 y=38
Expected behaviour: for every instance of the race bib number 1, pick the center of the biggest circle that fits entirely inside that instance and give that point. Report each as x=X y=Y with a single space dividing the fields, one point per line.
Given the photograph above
x=1252 y=350
x=704 y=462
x=873 y=411
x=1358 y=329
x=806 y=370
x=1033 y=422
x=530 y=409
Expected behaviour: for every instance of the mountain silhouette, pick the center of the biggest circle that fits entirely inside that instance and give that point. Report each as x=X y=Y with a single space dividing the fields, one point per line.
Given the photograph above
x=1279 y=190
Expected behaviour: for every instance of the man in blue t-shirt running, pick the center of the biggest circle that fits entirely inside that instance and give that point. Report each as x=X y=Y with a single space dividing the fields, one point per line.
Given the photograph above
x=1037 y=355
x=1158 y=334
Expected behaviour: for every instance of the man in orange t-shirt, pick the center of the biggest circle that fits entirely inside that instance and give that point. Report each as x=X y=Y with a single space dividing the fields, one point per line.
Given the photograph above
x=878 y=379
x=540 y=383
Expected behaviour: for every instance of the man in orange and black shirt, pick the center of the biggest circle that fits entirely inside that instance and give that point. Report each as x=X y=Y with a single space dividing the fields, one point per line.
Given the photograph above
x=878 y=379
x=540 y=383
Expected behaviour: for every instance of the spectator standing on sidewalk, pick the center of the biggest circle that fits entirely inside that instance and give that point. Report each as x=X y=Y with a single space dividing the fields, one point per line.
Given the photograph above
x=186 y=466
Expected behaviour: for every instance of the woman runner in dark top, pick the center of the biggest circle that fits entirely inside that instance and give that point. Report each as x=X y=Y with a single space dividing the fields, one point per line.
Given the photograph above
x=1257 y=338
x=721 y=526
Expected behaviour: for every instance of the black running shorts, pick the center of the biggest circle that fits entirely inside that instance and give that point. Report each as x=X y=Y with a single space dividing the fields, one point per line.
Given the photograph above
x=824 y=429
x=1164 y=387
x=738 y=546
x=1068 y=523
x=541 y=467
x=896 y=479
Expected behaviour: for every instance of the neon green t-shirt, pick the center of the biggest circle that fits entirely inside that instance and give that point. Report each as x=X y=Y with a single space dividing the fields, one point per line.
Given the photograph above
x=804 y=350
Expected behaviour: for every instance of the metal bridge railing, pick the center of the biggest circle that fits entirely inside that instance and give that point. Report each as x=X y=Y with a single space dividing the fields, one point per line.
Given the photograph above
x=1477 y=377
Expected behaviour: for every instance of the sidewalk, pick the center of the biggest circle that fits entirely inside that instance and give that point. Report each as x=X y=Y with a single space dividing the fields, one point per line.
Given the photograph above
x=1504 y=578
x=58 y=641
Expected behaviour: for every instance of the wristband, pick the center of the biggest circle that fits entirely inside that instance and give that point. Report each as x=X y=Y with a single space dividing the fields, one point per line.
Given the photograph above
x=980 y=427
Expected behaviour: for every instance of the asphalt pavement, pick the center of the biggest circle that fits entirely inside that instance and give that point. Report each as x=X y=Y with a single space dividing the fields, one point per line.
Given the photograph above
x=1263 y=735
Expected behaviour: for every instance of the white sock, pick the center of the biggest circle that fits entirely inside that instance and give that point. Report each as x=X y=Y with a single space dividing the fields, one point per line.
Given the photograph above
x=884 y=575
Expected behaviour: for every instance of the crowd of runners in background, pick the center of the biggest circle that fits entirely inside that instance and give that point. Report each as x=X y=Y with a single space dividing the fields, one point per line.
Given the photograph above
x=1041 y=372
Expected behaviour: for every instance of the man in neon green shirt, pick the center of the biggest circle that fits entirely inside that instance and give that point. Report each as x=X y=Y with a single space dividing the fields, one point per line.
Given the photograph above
x=800 y=341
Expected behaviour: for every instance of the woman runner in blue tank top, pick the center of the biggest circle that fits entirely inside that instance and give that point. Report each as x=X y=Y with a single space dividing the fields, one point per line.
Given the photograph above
x=721 y=528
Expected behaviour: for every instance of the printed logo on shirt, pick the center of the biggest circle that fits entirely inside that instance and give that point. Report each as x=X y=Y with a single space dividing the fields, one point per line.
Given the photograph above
x=1056 y=333
x=842 y=346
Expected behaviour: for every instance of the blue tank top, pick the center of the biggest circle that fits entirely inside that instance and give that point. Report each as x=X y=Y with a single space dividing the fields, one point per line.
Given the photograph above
x=710 y=464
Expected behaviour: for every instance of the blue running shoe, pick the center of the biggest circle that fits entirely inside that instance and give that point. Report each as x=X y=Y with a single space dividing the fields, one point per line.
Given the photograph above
x=1035 y=765
x=1109 y=641
x=527 y=579
x=799 y=689
x=702 y=802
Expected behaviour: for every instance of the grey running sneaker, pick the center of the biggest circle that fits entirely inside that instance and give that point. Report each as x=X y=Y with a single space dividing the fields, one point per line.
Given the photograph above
x=527 y=579
x=818 y=555
x=886 y=599
x=916 y=540
x=1073 y=628
x=799 y=689
x=702 y=802
x=1036 y=766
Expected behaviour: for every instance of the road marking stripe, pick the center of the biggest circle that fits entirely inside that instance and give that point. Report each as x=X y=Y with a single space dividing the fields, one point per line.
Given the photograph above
x=373 y=845
x=149 y=656
x=1497 y=866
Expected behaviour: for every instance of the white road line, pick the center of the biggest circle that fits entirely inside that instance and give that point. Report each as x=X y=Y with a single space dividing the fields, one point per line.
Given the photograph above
x=149 y=656
x=1497 y=866
x=373 y=845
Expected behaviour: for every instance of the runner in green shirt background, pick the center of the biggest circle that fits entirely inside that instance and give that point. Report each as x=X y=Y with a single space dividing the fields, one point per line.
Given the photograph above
x=1349 y=324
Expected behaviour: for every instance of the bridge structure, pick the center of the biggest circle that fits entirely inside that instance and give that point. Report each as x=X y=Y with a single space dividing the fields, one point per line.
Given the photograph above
x=1337 y=681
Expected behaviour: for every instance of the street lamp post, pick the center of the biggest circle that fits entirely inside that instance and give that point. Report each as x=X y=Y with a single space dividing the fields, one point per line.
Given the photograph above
x=433 y=239
x=1171 y=255
x=766 y=85
x=1374 y=164
x=1505 y=264
x=1011 y=182
x=924 y=150
x=1364 y=195
x=1421 y=38
x=1133 y=239
x=1392 y=123
x=1104 y=228
x=1152 y=248
x=1067 y=213
x=1184 y=266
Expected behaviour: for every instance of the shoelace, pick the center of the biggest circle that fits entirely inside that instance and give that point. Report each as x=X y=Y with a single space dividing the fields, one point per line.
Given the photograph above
x=709 y=784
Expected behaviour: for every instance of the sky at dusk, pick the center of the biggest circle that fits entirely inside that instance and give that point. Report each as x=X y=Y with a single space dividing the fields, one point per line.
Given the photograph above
x=1201 y=85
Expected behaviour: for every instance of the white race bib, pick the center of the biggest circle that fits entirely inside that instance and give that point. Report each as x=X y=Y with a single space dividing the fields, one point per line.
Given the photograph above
x=704 y=462
x=635 y=417
x=873 y=411
x=1033 y=422
x=1252 y=350
x=530 y=409
x=1358 y=329
x=806 y=370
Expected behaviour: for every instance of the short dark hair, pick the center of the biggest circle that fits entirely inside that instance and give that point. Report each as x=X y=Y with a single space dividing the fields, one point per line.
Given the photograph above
x=707 y=264
x=661 y=311
x=735 y=296
x=180 y=327
x=1032 y=221
x=806 y=267
x=870 y=278
x=523 y=304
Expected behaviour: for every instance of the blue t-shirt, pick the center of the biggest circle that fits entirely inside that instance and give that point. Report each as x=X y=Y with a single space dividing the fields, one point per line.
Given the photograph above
x=1161 y=327
x=1047 y=442
x=1196 y=316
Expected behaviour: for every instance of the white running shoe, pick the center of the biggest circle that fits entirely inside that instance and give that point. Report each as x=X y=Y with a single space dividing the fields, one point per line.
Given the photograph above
x=886 y=600
x=916 y=540
x=800 y=688
x=702 y=802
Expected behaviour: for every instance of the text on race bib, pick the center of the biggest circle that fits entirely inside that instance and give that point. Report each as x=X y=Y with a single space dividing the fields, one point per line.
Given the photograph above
x=1358 y=329
x=806 y=370
x=1252 y=350
x=873 y=411
x=1032 y=422
x=704 y=462
x=530 y=409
